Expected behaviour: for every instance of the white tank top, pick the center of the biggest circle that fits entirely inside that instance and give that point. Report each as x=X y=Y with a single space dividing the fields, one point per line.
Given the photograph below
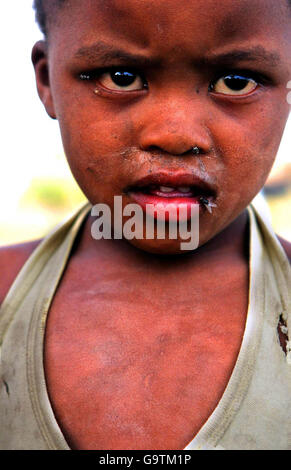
x=254 y=412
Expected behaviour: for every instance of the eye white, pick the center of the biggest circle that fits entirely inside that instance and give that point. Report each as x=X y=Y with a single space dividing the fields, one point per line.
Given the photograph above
x=234 y=85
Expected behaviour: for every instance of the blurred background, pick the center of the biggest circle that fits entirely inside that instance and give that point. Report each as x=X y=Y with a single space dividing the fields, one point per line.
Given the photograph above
x=37 y=189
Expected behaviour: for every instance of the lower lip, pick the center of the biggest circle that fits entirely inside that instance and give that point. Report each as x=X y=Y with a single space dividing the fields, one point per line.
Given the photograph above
x=181 y=205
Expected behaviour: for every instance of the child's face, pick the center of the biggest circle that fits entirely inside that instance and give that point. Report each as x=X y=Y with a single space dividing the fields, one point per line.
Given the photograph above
x=136 y=84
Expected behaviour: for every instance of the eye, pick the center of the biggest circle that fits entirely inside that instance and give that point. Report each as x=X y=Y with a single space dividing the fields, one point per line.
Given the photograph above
x=117 y=79
x=122 y=80
x=234 y=85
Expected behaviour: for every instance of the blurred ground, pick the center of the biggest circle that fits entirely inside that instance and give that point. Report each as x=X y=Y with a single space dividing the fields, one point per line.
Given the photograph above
x=43 y=205
x=278 y=195
x=48 y=199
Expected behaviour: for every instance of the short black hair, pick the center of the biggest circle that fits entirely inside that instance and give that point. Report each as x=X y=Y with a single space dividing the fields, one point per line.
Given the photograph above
x=40 y=15
x=44 y=7
x=42 y=10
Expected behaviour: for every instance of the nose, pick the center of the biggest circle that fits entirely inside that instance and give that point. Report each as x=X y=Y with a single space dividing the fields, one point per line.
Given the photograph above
x=174 y=127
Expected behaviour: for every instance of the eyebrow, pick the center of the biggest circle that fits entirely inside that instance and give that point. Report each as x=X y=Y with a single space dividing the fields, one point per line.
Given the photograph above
x=255 y=54
x=106 y=53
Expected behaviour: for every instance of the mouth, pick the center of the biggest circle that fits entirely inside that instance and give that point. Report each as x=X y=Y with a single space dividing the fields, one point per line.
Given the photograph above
x=178 y=190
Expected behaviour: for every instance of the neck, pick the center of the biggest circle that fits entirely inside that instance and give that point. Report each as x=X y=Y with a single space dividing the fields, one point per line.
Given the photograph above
x=233 y=240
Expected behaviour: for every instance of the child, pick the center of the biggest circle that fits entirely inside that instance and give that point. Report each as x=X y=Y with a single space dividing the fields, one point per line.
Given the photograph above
x=134 y=343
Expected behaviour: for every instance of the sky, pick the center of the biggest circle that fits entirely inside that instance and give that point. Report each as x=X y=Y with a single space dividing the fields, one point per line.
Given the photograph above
x=30 y=140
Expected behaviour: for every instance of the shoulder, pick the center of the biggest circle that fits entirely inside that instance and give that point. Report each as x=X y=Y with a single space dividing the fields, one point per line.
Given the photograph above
x=12 y=258
x=286 y=246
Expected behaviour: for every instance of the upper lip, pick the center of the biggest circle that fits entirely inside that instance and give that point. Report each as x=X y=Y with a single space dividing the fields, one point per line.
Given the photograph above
x=174 y=179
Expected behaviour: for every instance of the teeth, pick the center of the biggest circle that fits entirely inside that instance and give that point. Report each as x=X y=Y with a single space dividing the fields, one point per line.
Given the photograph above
x=166 y=189
x=184 y=189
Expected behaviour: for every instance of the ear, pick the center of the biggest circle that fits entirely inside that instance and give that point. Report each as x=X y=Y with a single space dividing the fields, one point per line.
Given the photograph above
x=39 y=57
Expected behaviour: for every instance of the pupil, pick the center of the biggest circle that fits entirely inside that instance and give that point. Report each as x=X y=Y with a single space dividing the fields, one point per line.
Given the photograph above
x=235 y=82
x=122 y=78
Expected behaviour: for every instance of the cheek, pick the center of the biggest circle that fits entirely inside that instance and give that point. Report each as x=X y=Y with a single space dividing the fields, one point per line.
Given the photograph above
x=96 y=147
x=248 y=144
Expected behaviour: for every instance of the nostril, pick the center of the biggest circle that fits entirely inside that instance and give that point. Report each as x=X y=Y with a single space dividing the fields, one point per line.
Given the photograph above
x=156 y=150
x=159 y=151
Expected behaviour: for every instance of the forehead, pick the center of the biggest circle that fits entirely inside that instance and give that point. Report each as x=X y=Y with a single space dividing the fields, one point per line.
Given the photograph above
x=161 y=25
x=227 y=15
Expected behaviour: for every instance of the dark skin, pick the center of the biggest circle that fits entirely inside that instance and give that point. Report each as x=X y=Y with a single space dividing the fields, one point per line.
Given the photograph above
x=135 y=357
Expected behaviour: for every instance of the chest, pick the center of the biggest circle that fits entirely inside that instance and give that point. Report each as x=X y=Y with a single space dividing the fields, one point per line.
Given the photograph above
x=140 y=365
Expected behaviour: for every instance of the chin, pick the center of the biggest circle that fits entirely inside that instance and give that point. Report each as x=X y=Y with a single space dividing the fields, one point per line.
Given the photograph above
x=161 y=247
